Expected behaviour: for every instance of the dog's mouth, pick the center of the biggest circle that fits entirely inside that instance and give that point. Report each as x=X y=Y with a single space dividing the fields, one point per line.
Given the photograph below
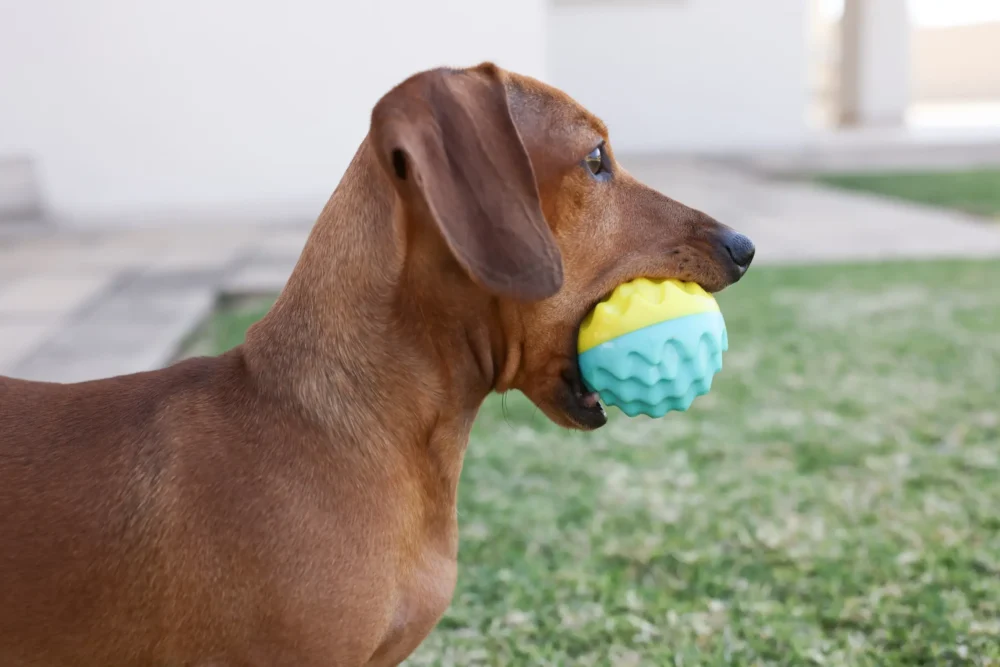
x=582 y=406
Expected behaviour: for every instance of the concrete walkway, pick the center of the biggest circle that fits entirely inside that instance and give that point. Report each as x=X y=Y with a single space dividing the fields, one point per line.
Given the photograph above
x=800 y=222
x=82 y=305
x=77 y=306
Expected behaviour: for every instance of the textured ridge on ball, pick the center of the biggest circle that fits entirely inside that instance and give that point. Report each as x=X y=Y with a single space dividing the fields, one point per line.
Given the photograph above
x=659 y=368
x=652 y=346
x=642 y=303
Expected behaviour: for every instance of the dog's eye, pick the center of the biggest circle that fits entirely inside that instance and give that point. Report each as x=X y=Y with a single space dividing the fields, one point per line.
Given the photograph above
x=595 y=161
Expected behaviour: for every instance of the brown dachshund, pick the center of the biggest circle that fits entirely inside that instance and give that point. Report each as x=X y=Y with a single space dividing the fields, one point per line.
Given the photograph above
x=292 y=502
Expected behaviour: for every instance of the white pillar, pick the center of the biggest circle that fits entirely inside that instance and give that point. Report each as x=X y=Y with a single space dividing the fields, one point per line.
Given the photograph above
x=875 y=62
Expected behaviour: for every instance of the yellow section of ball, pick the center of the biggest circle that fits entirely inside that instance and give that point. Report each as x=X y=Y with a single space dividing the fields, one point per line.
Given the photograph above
x=642 y=303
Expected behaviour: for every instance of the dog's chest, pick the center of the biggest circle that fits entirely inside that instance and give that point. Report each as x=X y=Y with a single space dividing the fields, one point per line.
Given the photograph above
x=424 y=595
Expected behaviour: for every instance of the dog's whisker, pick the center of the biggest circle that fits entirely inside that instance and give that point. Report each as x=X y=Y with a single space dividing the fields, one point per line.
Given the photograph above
x=503 y=410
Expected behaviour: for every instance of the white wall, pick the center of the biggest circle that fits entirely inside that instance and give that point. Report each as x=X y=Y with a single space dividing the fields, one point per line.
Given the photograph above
x=135 y=107
x=685 y=75
x=875 y=63
x=956 y=62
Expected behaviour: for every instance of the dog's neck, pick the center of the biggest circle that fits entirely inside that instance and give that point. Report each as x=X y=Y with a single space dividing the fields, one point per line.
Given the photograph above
x=368 y=340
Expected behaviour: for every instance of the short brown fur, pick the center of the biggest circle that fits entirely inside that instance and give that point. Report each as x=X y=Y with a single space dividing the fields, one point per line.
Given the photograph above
x=293 y=501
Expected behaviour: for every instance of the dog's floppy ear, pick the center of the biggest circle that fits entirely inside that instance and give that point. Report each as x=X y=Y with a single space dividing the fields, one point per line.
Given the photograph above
x=447 y=140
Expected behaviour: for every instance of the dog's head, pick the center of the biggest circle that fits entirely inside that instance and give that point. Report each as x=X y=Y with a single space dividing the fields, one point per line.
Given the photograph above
x=522 y=187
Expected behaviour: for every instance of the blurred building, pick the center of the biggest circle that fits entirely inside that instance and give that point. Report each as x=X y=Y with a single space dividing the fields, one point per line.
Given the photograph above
x=117 y=111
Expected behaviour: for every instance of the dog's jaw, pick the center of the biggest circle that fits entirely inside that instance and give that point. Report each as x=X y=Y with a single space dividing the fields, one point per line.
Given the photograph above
x=582 y=406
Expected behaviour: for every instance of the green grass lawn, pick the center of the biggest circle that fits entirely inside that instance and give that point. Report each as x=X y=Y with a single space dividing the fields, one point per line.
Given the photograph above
x=975 y=191
x=834 y=501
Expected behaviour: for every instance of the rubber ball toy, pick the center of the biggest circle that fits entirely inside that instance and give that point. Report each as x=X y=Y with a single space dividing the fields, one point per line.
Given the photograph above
x=653 y=346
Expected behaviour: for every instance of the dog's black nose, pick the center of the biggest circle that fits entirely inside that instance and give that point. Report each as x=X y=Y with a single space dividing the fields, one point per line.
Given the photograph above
x=740 y=249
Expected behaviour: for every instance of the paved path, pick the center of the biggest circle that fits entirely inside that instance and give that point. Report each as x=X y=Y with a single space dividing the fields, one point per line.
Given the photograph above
x=76 y=306
x=81 y=305
x=802 y=222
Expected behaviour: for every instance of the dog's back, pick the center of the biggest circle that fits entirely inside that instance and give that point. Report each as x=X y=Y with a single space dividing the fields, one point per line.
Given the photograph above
x=86 y=473
x=176 y=517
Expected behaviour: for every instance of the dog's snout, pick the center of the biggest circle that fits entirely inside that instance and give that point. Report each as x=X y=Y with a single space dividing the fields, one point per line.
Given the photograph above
x=740 y=249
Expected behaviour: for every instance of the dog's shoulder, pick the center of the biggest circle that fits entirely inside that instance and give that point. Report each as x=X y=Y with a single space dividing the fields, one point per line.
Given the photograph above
x=121 y=418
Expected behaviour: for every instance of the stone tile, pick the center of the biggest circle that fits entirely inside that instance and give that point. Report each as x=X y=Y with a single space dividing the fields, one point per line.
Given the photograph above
x=158 y=281
x=66 y=262
x=18 y=340
x=149 y=308
x=120 y=335
x=182 y=247
x=280 y=243
x=191 y=258
x=146 y=244
x=258 y=278
x=50 y=295
x=78 y=369
x=94 y=353
x=69 y=252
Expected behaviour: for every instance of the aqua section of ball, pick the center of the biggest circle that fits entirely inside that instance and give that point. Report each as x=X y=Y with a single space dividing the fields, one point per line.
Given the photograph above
x=658 y=368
